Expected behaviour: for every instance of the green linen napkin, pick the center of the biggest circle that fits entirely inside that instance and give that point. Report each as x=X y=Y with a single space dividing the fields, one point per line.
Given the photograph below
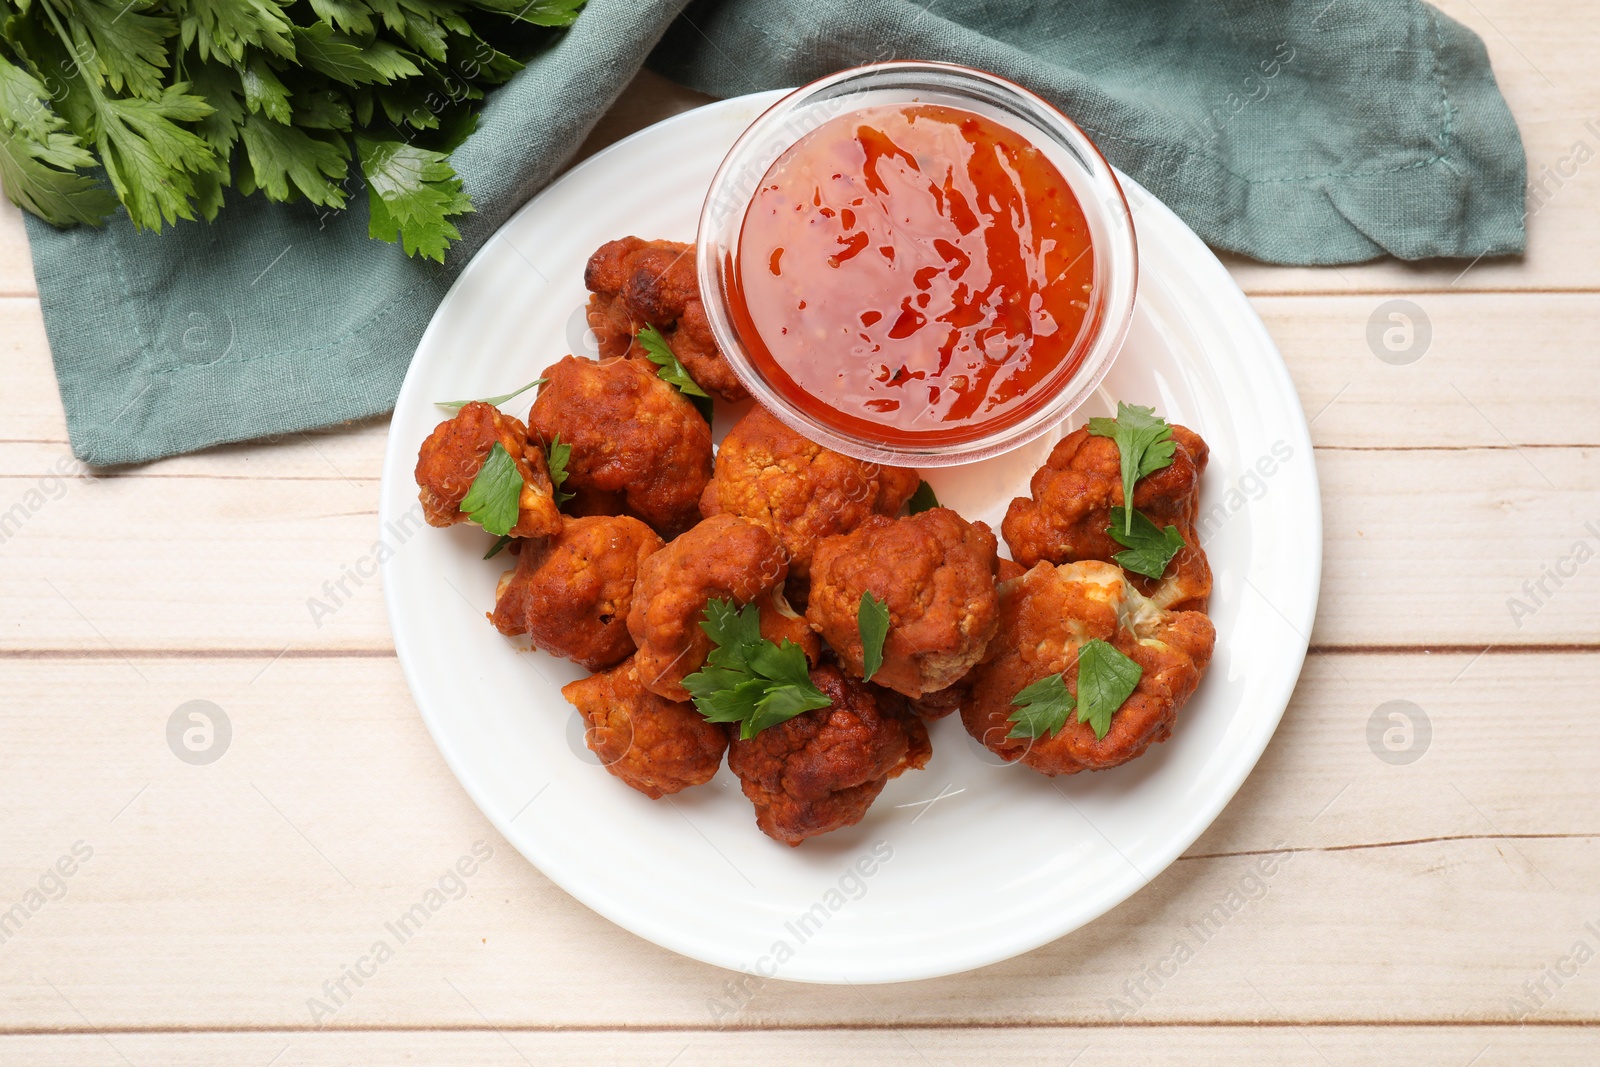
x=1293 y=132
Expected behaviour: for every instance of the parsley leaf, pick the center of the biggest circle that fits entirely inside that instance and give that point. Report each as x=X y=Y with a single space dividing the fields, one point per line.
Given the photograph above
x=40 y=176
x=281 y=156
x=872 y=620
x=409 y=103
x=748 y=679
x=1042 y=708
x=1106 y=678
x=347 y=59
x=492 y=401
x=411 y=194
x=263 y=92
x=226 y=28
x=151 y=159
x=40 y=156
x=121 y=46
x=25 y=102
x=1148 y=548
x=424 y=26
x=672 y=372
x=222 y=89
x=505 y=539
x=732 y=629
x=1145 y=441
x=351 y=16
x=922 y=500
x=324 y=110
x=556 y=457
x=725 y=696
x=494 y=498
x=789 y=692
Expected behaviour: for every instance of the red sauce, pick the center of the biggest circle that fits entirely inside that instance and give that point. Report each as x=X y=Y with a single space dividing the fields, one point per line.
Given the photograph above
x=914 y=274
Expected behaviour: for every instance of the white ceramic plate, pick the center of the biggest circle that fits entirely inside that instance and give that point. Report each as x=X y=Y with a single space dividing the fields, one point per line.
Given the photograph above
x=1005 y=860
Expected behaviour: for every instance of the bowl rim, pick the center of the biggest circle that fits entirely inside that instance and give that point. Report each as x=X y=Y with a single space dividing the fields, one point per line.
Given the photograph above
x=1115 y=247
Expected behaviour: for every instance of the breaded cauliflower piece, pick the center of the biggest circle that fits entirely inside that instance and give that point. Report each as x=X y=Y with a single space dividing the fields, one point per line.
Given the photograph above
x=638 y=283
x=935 y=571
x=657 y=746
x=1046 y=616
x=780 y=623
x=942 y=702
x=631 y=434
x=723 y=558
x=1065 y=520
x=572 y=593
x=802 y=492
x=453 y=455
x=822 y=769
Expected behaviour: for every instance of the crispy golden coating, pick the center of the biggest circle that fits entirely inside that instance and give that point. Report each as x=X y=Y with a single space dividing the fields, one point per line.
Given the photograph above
x=657 y=746
x=935 y=571
x=942 y=702
x=631 y=434
x=586 y=501
x=799 y=490
x=635 y=283
x=822 y=769
x=723 y=558
x=780 y=623
x=1045 y=617
x=453 y=455
x=638 y=283
x=1066 y=518
x=572 y=593
x=696 y=348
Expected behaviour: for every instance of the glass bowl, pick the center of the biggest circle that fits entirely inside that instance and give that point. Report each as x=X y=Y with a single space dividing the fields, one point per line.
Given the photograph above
x=1089 y=176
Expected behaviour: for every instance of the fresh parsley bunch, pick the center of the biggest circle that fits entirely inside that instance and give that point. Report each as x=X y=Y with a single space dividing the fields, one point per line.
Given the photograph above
x=176 y=99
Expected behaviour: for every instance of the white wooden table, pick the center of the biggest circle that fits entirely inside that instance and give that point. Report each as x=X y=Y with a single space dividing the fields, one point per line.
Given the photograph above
x=1444 y=911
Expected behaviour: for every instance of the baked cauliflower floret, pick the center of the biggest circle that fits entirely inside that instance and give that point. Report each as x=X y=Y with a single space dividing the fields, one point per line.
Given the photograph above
x=802 y=492
x=639 y=283
x=780 y=623
x=724 y=558
x=942 y=702
x=657 y=746
x=822 y=769
x=455 y=452
x=631 y=434
x=572 y=593
x=1046 y=616
x=936 y=573
x=1065 y=519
